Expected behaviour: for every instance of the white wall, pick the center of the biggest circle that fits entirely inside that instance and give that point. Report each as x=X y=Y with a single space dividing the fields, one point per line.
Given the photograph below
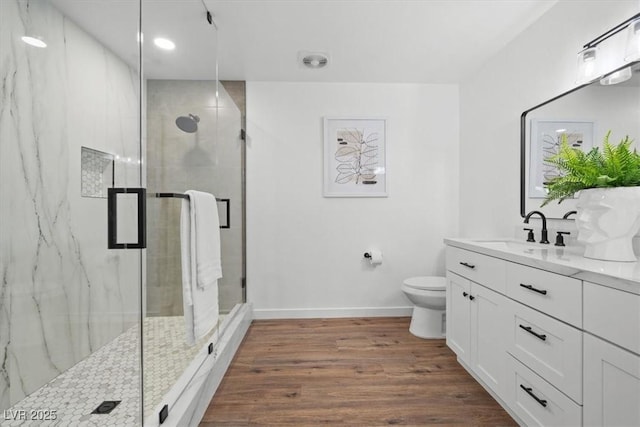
x=304 y=251
x=536 y=66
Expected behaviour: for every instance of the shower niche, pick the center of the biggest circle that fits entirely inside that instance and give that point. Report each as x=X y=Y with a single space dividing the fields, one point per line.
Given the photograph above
x=97 y=172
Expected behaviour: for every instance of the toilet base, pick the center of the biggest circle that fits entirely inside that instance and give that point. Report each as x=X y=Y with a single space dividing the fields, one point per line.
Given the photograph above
x=427 y=323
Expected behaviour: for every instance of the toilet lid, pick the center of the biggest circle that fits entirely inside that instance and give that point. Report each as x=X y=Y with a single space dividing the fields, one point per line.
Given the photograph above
x=434 y=283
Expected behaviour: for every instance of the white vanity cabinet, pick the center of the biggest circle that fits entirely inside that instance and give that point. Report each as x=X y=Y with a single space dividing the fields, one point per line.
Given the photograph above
x=555 y=348
x=545 y=347
x=476 y=329
x=548 y=347
x=536 y=402
x=477 y=322
x=611 y=384
x=611 y=357
x=459 y=316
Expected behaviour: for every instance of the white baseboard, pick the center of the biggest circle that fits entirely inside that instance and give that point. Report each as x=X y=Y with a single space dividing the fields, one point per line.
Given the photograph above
x=324 y=313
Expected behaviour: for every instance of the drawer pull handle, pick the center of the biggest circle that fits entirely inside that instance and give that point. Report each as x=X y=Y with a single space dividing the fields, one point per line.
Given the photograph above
x=531 y=288
x=466 y=264
x=464 y=294
x=471 y=297
x=543 y=337
x=529 y=391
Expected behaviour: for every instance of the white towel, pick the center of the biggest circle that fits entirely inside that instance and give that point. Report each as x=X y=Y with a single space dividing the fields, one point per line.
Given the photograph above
x=201 y=266
x=206 y=234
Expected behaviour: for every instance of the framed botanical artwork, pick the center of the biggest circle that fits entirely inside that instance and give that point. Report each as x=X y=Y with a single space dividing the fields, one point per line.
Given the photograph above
x=546 y=136
x=355 y=157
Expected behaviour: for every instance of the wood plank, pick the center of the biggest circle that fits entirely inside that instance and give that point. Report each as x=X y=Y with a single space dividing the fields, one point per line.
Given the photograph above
x=365 y=372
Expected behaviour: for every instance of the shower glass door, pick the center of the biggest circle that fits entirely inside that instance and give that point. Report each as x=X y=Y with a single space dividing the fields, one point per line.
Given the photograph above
x=95 y=104
x=192 y=142
x=70 y=307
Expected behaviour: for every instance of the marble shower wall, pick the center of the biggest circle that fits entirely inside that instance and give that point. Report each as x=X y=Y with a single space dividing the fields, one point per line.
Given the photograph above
x=209 y=160
x=63 y=294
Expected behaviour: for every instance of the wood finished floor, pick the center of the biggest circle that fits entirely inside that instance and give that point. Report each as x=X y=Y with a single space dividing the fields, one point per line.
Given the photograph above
x=352 y=372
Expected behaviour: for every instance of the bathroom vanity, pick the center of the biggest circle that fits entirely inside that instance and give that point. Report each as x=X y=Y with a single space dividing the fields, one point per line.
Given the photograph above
x=553 y=336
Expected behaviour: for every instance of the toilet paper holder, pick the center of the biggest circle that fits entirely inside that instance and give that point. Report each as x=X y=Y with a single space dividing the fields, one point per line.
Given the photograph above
x=374 y=256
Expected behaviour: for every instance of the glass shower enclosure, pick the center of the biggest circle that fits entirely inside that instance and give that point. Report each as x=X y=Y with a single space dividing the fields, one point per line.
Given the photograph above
x=103 y=127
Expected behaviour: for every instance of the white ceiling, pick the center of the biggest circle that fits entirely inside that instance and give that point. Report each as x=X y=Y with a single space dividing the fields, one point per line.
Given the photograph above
x=427 y=41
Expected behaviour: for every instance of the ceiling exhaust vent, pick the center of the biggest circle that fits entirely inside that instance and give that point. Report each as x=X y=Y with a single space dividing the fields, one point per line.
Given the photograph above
x=314 y=60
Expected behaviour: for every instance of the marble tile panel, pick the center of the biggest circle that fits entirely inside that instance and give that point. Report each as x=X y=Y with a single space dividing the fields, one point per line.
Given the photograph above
x=4 y=342
x=68 y=294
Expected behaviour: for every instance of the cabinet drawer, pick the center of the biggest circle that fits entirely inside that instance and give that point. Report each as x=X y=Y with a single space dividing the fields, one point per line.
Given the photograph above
x=558 y=296
x=537 y=402
x=613 y=315
x=549 y=347
x=482 y=269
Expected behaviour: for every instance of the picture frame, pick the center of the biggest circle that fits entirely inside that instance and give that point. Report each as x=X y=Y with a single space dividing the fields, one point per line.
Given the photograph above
x=355 y=160
x=545 y=141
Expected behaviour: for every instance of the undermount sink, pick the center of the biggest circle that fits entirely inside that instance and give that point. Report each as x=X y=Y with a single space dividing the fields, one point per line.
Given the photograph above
x=505 y=243
x=511 y=245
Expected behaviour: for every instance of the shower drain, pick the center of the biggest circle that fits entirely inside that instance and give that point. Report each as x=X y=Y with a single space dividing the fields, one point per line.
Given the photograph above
x=106 y=407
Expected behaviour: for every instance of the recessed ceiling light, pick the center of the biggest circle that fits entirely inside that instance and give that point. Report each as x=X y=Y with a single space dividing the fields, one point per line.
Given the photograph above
x=163 y=43
x=317 y=60
x=34 y=41
x=311 y=59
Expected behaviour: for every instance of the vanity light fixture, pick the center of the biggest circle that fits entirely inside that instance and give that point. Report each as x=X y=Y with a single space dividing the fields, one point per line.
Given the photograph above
x=34 y=41
x=163 y=43
x=617 y=77
x=632 y=51
x=588 y=67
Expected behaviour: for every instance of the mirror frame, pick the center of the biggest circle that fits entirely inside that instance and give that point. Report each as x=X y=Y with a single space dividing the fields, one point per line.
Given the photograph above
x=523 y=130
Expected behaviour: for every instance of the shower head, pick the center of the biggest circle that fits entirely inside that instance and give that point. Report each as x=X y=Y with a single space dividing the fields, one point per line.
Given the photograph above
x=188 y=123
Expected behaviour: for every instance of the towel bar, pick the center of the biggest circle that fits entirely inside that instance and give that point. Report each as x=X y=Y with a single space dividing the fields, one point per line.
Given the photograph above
x=227 y=202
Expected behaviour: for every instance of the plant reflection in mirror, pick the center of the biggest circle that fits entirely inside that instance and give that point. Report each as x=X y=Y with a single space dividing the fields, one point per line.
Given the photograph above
x=614 y=166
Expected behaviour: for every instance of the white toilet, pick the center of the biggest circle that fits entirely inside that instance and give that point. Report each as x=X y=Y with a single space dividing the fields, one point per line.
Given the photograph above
x=427 y=293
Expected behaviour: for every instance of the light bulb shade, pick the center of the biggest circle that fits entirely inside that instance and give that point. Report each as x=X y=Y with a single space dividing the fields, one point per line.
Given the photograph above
x=34 y=41
x=163 y=43
x=617 y=77
x=587 y=65
x=632 y=51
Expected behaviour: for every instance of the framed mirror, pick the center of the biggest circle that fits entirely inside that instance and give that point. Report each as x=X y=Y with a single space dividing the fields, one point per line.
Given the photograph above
x=584 y=114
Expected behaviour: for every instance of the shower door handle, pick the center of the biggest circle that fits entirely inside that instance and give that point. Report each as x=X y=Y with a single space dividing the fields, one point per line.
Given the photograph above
x=112 y=223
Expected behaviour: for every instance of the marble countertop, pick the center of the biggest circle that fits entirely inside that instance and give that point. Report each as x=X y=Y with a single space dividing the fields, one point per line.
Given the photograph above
x=568 y=261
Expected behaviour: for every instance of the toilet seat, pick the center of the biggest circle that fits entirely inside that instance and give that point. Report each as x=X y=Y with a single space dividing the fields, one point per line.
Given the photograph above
x=427 y=283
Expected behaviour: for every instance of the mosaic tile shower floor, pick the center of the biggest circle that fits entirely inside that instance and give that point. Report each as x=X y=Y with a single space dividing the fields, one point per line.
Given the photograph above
x=111 y=373
x=166 y=356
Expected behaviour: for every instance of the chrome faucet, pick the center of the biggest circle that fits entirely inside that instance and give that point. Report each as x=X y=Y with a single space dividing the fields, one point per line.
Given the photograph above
x=543 y=239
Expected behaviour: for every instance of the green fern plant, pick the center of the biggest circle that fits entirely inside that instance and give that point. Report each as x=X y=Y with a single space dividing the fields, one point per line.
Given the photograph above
x=614 y=166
